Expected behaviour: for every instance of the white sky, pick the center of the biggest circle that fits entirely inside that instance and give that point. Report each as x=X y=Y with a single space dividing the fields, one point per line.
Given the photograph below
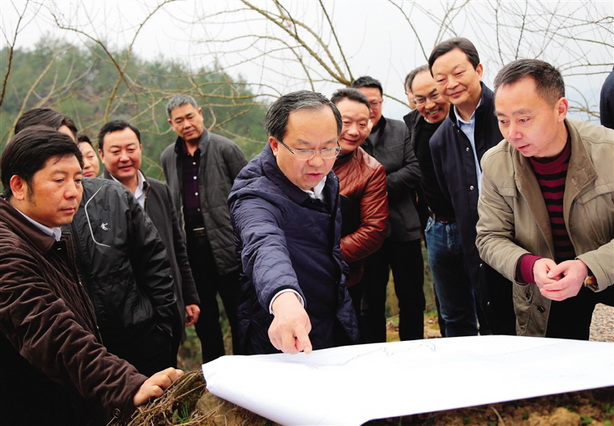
x=377 y=38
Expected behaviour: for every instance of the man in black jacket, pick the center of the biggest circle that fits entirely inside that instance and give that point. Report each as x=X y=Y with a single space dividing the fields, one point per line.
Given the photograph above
x=402 y=251
x=122 y=263
x=451 y=281
x=200 y=168
x=457 y=147
x=120 y=148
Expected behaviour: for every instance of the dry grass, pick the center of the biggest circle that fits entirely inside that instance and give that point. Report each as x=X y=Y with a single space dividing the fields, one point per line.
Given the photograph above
x=187 y=402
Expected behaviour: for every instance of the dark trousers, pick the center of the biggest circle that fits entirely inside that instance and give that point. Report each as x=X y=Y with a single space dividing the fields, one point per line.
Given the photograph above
x=149 y=352
x=571 y=318
x=208 y=284
x=405 y=260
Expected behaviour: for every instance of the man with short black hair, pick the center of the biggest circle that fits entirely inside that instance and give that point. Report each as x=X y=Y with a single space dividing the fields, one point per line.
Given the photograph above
x=54 y=369
x=287 y=223
x=122 y=263
x=362 y=187
x=445 y=255
x=546 y=204
x=121 y=150
x=457 y=147
x=389 y=143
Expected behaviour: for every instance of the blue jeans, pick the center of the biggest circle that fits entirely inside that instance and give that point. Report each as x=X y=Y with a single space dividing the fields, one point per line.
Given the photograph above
x=451 y=281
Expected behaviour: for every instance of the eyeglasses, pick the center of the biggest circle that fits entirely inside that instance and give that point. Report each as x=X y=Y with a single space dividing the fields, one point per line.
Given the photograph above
x=308 y=154
x=376 y=104
x=421 y=100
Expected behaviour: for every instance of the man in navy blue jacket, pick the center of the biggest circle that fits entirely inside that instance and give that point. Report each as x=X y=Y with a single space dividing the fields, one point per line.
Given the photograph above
x=285 y=211
x=457 y=147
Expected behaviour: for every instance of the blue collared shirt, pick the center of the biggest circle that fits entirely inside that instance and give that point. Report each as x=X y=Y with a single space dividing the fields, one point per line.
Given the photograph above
x=468 y=128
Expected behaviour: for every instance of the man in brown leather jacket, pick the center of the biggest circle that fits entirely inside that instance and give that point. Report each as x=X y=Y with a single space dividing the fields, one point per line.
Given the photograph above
x=362 y=185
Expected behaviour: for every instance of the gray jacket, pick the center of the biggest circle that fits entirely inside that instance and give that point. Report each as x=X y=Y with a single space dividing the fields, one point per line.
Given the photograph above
x=220 y=162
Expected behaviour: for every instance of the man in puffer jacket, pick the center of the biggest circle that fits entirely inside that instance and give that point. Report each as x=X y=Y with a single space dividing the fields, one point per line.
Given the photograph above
x=287 y=223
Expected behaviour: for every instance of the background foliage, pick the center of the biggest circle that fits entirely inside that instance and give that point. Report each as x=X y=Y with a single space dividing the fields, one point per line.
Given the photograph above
x=83 y=83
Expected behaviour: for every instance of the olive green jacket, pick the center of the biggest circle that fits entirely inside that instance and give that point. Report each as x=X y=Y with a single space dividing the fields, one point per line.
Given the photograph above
x=514 y=220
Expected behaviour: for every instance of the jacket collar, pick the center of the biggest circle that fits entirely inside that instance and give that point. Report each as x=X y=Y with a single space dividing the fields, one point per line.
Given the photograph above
x=581 y=170
x=24 y=228
x=377 y=131
x=141 y=176
x=486 y=99
x=180 y=143
x=580 y=173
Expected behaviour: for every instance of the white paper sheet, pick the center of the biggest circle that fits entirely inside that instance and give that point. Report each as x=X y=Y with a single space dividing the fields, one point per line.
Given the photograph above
x=353 y=384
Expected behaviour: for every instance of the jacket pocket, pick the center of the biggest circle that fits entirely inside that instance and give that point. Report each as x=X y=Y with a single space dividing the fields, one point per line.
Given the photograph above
x=522 y=295
x=592 y=214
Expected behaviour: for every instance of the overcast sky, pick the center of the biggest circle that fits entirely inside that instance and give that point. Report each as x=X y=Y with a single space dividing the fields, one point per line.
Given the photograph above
x=377 y=38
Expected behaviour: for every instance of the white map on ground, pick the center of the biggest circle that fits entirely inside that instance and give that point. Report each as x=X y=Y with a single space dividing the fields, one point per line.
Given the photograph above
x=350 y=385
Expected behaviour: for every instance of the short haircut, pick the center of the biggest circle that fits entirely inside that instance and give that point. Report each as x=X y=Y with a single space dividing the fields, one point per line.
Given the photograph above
x=115 y=126
x=548 y=80
x=367 y=81
x=45 y=117
x=82 y=138
x=409 y=79
x=276 y=121
x=28 y=152
x=179 y=100
x=352 y=95
x=462 y=43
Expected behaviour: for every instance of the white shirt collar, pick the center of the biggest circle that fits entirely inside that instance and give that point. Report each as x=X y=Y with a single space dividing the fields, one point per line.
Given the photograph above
x=318 y=190
x=56 y=232
x=139 y=194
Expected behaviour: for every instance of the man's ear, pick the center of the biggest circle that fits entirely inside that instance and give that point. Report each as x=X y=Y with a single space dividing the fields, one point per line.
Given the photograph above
x=480 y=70
x=561 y=108
x=19 y=187
x=101 y=153
x=274 y=143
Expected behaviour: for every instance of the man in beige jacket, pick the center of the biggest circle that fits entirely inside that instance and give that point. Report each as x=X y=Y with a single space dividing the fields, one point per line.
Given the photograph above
x=547 y=204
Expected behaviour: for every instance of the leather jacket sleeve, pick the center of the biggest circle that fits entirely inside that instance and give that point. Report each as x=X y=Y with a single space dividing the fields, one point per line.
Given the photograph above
x=371 y=233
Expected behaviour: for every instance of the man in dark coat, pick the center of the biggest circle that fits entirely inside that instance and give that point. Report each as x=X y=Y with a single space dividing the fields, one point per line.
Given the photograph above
x=200 y=168
x=120 y=148
x=54 y=368
x=401 y=252
x=606 y=102
x=457 y=148
x=287 y=222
